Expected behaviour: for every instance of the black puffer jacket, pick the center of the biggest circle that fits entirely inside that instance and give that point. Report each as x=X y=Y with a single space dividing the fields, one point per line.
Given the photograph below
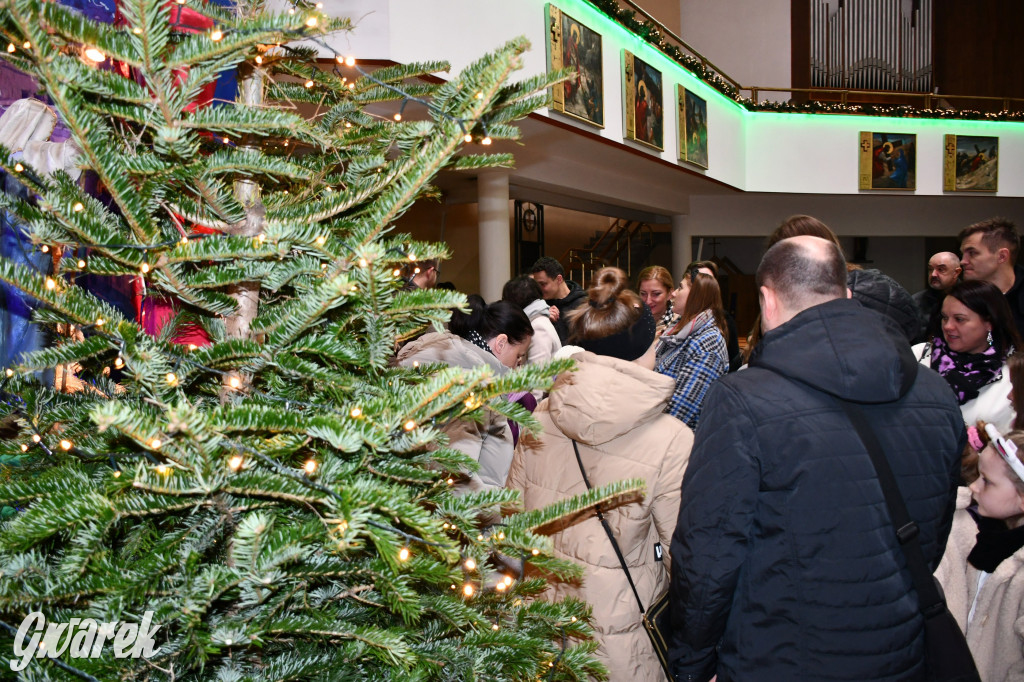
x=880 y=292
x=785 y=565
x=566 y=305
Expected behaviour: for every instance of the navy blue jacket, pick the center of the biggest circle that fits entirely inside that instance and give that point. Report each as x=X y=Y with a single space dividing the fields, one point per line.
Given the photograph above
x=785 y=565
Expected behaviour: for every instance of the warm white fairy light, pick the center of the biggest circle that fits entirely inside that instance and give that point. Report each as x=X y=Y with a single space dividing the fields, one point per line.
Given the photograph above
x=350 y=61
x=65 y=444
x=9 y=372
x=94 y=55
x=155 y=443
x=117 y=473
x=24 y=447
x=363 y=262
x=36 y=438
x=534 y=552
x=486 y=141
x=311 y=22
x=235 y=462
x=100 y=322
x=81 y=264
x=403 y=554
x=234 y=382
x=137 y=31
x=45 y=248
x=261 y=238
x=398 y=117
x=397 y=272
x=216 y=35
x=468 y=138
x=259 y=60
x=118 y=362
x=184 y=240
x=309 y=83
x=495 y=627
x=18 y=168
x=172 y=378
x=11 y=48
x=468 y=590
x=321 y=240
x=409 y=425
x=193 y=347
x=356 y=413
x=309 y=466
x=450 y=481
x=51 y=284
x=470 y=564
x=500 y=587
x=77 y=207
x=144 y=268
x=162 y=469
x=507 y=580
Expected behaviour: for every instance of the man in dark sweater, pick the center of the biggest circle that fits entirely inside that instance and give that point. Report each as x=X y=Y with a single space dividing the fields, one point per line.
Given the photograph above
x=989 y=252
x=563 y=296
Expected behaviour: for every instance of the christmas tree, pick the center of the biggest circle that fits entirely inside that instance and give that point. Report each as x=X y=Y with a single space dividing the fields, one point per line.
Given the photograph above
x=274 y=501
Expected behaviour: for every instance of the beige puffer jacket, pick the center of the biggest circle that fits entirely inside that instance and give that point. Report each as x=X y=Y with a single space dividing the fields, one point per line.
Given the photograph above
x=614 y=410
x=996 y=634
x=488 y=442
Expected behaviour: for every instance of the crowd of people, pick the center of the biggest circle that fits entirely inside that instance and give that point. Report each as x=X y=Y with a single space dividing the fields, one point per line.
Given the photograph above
x=763 y=515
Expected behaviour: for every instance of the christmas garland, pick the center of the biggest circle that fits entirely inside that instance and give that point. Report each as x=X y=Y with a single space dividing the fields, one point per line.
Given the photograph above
x=650 y=32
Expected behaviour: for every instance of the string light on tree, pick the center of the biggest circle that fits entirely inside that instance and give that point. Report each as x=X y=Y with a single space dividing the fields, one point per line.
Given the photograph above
x=309 y=466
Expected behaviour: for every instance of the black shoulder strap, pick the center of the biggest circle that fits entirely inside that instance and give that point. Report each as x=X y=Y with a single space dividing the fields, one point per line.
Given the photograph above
x=608 y=530
x=930 y=601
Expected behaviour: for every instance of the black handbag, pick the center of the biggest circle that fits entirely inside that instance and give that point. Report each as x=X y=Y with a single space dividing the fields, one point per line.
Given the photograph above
x=947 y=656
x=655 y=618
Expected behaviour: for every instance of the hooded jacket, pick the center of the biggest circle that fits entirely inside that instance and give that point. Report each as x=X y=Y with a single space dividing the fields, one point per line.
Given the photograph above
x=614 y=411
x=488 y=442
x=996 y=633
x=878 y=291
x=785 y=564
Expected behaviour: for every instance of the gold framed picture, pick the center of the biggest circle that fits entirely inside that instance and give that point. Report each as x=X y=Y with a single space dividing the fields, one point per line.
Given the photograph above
x=970 y=163
x=574 y=46
x=888 y=161
x=645 y=114
x=693 y=128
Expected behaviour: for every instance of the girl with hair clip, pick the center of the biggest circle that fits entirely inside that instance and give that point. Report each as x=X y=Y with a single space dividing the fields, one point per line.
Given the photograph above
x=604 y=422
x=498 y=336
x=694 y=352
x=982 y=570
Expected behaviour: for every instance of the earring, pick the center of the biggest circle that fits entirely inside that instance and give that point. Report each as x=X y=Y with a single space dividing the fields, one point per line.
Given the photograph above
x=989 y=338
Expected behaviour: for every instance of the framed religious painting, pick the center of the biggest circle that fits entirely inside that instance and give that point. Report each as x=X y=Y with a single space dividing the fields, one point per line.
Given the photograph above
x=645 y=115
x=572 y=45
x=693 y=128
x=888 y=161
x=970 y=164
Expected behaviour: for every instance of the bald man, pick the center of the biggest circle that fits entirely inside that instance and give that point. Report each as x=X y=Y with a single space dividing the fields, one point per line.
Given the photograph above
x=943 y=272
x=785 y=564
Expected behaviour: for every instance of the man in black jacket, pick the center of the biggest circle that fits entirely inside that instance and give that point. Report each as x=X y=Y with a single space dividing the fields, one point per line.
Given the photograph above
x=561 y=294
x=785 y=565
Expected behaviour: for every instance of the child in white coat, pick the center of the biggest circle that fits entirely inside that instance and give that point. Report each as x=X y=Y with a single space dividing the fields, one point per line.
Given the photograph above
x=981 y=570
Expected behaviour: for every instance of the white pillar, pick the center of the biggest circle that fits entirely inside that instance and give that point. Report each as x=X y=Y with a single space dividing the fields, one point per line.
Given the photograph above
x=495 y=234
x=682 y=251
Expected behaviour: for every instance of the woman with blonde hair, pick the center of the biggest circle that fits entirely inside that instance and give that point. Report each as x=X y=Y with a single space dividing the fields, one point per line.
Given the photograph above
x=694 y=351
x=655 y=286
x=602 y=423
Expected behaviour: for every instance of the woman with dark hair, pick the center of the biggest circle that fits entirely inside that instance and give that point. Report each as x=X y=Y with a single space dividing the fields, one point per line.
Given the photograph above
x=694 y=352
x=602 y=423
x=975 y=333
x=497 y=336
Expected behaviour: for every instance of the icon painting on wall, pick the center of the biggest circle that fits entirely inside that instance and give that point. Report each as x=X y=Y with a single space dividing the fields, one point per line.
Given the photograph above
x=645 y=114
x=574 y=46
x=888 y=161
x=970 y=164
x=693 y=128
